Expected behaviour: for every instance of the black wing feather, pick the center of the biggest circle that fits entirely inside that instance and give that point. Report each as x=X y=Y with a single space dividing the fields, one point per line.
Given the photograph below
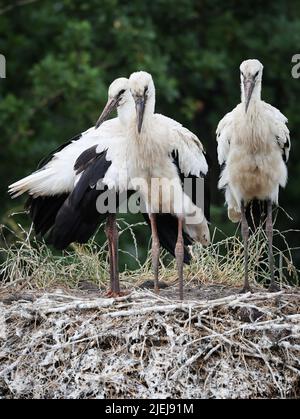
x=85 y=159
x=78 y=218
x=43 y=209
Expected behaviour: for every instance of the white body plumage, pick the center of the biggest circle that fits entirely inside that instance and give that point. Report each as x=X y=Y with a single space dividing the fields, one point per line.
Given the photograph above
x=150 y=149
x=58 y=176
x=253 y=147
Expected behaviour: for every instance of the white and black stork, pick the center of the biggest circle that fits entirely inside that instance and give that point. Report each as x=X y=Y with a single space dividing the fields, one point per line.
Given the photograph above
x=125 y=154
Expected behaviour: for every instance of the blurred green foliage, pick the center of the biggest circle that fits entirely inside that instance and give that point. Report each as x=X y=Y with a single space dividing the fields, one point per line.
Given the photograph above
x=62 y=55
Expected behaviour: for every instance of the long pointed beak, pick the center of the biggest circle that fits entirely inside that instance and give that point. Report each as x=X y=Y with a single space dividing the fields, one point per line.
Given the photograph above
x=109 y=107
x=140 y=109
x=248 y=89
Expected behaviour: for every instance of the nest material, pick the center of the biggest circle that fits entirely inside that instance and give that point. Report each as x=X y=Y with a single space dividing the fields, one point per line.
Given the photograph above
x=66 y=344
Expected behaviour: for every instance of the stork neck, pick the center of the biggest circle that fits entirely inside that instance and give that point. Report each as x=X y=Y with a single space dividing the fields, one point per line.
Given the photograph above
x=256 y=94
x=150 y=106
x=125 y=112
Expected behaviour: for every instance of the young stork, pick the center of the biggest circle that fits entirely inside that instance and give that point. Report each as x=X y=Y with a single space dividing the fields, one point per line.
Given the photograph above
x=50 y=187
x=253 y=149
x=154 y=147
x=164 y=153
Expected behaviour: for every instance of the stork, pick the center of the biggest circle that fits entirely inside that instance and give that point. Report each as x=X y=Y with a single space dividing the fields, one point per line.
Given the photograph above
x=162 y=149
x=119 y=161
x=152 y=147
x=50 y=187
x=253 y=149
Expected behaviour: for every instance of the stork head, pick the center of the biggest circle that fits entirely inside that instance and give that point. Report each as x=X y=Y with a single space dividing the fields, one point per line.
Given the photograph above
x=118 y=95
x=143 y=91
x=251 y=76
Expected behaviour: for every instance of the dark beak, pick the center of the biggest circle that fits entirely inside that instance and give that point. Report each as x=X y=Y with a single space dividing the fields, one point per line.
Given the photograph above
x=109 y=107
x=248 y=89
x=140 y=109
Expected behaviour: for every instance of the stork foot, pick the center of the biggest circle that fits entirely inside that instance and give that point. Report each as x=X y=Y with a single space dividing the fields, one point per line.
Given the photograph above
x=113 y=294
x=273 y=287
x=150 y=284
x=246 y=289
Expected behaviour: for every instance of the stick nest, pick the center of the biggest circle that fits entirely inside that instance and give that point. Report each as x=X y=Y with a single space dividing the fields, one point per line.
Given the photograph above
x=71 y=344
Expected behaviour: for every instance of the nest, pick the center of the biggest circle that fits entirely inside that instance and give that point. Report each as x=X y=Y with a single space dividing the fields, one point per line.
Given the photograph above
x=74 y=344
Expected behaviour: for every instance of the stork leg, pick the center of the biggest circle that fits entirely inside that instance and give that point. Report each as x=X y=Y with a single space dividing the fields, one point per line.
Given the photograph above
x=269 y=230
x=112 y=237
x=179 y=254
x=245 y=234
x=155 y=250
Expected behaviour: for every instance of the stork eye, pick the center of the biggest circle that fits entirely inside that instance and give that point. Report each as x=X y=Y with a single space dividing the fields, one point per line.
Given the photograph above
x=121 y=92
x=242 y=74
x=146 y=90
x=256 y=74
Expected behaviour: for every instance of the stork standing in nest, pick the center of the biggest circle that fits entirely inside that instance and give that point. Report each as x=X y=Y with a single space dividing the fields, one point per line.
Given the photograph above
x=253 y=149
x=125 y=155
x=165 y=154
x=62 y=191
x=158 y=155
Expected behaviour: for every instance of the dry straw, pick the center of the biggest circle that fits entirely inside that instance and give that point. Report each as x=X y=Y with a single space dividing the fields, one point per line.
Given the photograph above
x=57 y=341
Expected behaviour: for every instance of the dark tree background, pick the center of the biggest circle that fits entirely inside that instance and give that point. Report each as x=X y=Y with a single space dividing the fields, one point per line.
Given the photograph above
x=62 y=55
